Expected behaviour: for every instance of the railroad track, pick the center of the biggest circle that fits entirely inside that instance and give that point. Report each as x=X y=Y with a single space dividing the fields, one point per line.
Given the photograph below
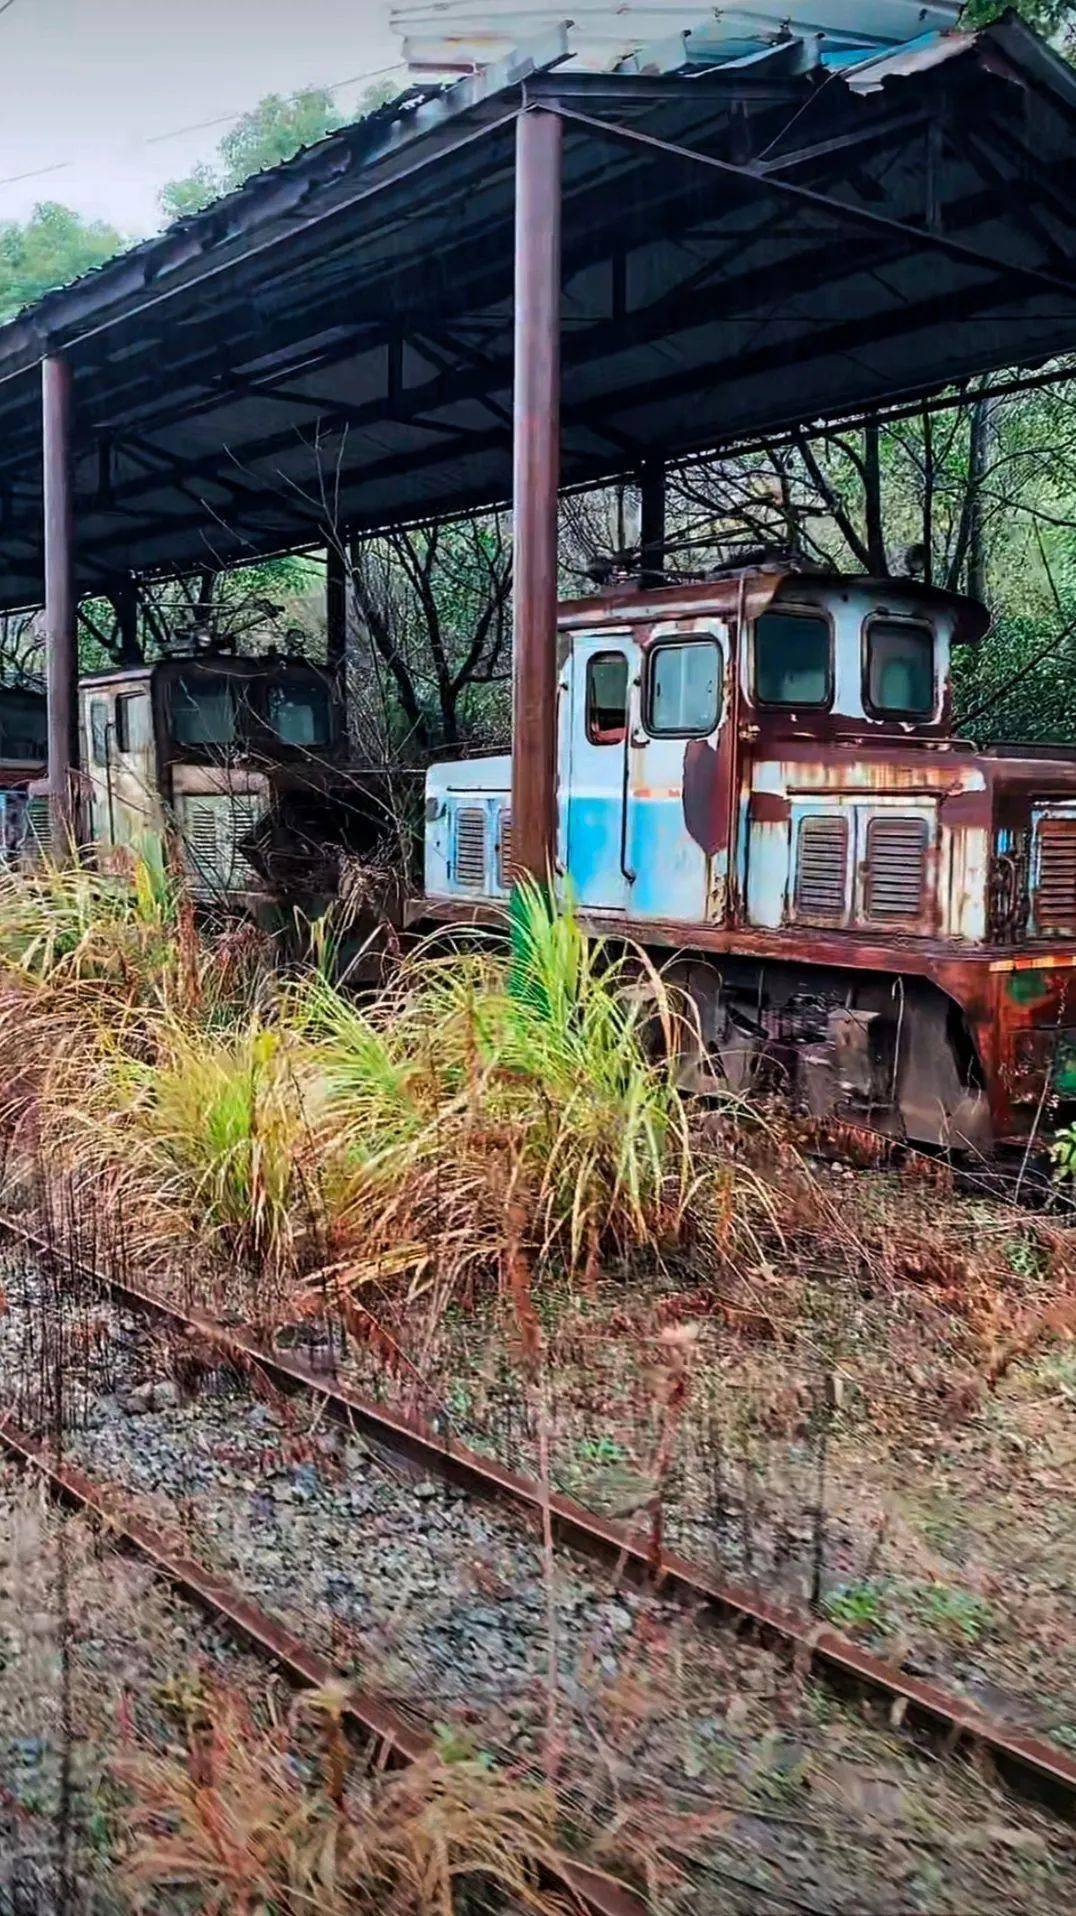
x=1027 y=1762
x=396 y=1739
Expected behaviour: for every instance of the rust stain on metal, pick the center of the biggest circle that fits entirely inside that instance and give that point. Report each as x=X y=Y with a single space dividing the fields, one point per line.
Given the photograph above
x=770 y=808
x=705 y=812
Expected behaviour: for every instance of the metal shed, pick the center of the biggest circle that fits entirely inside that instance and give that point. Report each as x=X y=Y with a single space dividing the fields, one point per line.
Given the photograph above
x=789 y=219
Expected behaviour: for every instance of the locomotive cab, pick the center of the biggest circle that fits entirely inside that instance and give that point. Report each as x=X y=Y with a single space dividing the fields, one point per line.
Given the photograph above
x=237 y=760
x=757 y=779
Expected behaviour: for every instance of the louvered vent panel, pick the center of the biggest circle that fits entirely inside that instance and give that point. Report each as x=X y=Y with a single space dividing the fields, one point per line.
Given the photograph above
x=243 y=814
x=1056 y=898
x=38 y=841
x=896 y=867
x=821 y=867
x=504 y=853
x=199 y=829
x=471 y=846
x=202 y=837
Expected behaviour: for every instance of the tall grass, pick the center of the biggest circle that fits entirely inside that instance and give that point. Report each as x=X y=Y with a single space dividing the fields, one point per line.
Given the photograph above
x=481 y=1103
x=253 y=1817
x=489 y=1096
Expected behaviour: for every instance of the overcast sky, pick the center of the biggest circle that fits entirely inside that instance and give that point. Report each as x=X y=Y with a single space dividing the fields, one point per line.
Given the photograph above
x=88 y=87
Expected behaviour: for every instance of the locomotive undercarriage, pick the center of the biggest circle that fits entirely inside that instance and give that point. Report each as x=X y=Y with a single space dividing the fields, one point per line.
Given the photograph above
x=890 y=1053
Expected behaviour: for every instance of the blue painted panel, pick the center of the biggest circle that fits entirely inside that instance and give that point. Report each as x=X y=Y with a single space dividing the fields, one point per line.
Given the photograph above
x=670 y=869
x=594 y=848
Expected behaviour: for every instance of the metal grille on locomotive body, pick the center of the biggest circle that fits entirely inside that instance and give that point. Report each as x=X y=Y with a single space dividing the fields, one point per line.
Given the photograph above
x=471 y=847
x=1057 y=874
x=822 y=868
x=895 y=867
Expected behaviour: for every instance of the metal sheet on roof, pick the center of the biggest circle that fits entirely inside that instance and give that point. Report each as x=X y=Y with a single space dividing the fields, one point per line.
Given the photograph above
x=333 y=342
x=451 y=36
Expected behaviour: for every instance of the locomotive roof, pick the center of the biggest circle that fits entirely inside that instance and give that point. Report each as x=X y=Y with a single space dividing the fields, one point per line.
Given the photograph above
x=246 y=665
x=751 y=589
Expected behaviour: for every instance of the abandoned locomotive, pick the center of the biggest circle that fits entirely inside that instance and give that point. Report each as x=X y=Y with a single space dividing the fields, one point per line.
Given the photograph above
x=758 y=779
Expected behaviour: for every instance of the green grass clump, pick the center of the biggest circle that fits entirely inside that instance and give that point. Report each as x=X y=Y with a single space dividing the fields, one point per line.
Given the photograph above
x=486 y=1106
x=503 y=1097
x=215 y=1123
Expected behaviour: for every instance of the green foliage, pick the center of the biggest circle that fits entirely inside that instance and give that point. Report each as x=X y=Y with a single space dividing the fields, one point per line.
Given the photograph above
x=874 y=1604
x=1063 y=1152
x=1049 y=17
x=70 y=921
x=216 y=1122
x=279 y=126
x=957 y=1614
x=272 y=131
x=52 y=248
x=856 y=1606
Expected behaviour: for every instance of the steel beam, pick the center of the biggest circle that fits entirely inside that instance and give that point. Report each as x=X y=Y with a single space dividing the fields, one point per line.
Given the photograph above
x=61 y=601
x=535 y=477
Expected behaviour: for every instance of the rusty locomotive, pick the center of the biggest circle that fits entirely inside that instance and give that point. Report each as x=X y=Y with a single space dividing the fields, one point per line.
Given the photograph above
x=758 y=779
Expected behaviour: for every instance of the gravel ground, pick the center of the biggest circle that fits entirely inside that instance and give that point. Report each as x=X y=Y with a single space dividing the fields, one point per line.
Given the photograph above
x=746 y=1786
x=90 y=1649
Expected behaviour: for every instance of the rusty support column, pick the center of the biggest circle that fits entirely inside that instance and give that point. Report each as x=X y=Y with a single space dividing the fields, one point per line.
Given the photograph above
x=652 y=522
x=61 y=601
x=536 y=471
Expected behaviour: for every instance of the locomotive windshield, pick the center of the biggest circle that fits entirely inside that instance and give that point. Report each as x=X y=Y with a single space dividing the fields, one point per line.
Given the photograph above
x=204 y=710
x=684 y=690
x=297 y=713
x=792 y=659
x=900 y=668
x=22 y=726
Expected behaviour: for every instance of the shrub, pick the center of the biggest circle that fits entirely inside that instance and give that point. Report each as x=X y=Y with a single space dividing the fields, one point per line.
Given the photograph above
x=255 y=1818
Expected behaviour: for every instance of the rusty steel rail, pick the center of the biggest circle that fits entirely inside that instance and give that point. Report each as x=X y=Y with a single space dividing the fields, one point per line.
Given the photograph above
x=398 y=1741
x=1026 y=1761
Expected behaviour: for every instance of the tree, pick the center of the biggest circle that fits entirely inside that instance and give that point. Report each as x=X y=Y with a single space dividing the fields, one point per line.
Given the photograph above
x=272 y=131
x=279 y=603
x=52 y=248
x=433 y=609
x=1052 y=18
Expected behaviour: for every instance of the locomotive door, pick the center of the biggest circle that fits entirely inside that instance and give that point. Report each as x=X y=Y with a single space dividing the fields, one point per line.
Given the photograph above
x=592 y=760
x=677 y=790
x=121 y=761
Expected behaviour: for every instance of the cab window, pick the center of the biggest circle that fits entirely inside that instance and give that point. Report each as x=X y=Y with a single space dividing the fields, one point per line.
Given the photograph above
x=793 y=659
x=607 y=698
x=298 y=714
x=22 y=726
x=204 y=710
x=900 y=668
x=99 y=731
x=132 y=722
x=684 y=690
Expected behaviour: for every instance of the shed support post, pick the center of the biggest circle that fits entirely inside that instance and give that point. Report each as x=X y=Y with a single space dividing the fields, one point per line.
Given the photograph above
x=652 y=522
x=61 y=602
x=535 y=475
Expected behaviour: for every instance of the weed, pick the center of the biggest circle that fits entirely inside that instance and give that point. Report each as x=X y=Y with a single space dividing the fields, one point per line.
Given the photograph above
x=600 y=1450
x=246 y=1820
x=857 y=1606
x=1063 y=1152
x=1026 y=1257
x=958 y=1614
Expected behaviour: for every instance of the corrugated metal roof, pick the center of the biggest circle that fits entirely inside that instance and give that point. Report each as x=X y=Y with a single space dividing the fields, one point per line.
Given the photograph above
x=334 y=341
x=451 y=36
